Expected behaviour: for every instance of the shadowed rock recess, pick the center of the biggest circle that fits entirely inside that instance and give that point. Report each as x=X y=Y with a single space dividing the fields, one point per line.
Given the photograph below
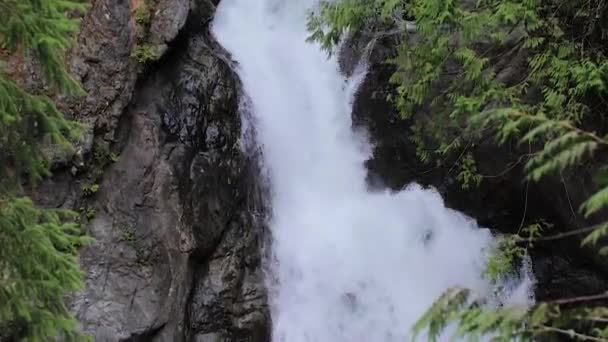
x=176 y=212
x=504 y=201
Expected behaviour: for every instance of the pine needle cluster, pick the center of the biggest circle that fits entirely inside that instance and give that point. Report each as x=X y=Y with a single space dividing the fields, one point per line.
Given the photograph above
x=38 y=246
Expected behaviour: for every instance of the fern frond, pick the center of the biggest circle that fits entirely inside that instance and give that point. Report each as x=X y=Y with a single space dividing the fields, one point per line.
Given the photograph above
x=596 y=202
x=598 y=233
x=544 y=163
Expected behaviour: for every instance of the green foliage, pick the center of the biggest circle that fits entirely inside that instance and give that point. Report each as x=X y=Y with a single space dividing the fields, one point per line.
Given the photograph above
x=468 y=175
x=535 y=231
x=143 y=256
x=128 y=235
x=596 y=202
x=472 y=319
x=40 y=29
x=39 y=266
x=38 y=247
x=565 y=145
x=144 y=54
x=447 y=68
x=24 y=120
x=343 y=16
x=504 y=256
x=448 y=43
x=102 y=157
x=87 y=213
x=142 y=16
x=114 y=157
x=477 y=321
x=90 y=189
x=510 y=250
x=596 y=235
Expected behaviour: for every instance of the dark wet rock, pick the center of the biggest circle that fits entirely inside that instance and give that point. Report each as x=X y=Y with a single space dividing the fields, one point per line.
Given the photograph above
x=504 y=201
x=178 y=219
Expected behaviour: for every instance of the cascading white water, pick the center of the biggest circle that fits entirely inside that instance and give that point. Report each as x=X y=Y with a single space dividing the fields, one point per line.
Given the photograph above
x=350 y=265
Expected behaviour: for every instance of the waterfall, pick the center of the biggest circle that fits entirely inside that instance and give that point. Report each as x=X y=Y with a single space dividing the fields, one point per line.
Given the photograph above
x=349 y=264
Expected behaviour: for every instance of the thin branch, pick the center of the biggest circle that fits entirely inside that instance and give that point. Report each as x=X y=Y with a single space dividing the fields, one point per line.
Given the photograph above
x=592 y=319
x=567 y=125
x=591 y=135
x=523 y=218
x=579 y=299
x=561 y=175
x=466 y=148
x=509 y=168
x=572 y=333
x=558 y=236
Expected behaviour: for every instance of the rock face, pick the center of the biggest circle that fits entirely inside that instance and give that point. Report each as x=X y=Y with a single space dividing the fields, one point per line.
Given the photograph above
x=168 y=184
x=177 y=212
x=504 y=201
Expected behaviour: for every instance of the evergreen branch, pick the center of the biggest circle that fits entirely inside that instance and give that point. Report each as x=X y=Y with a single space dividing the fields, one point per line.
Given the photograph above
x=579 y=299
x=38 y=246
x=565 y=124
x=571 y=333
x=592 y=135
x=591 y=319
x=560 y=235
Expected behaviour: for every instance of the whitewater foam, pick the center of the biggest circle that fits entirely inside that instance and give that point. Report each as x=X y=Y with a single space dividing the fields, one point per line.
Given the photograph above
x=349 y=264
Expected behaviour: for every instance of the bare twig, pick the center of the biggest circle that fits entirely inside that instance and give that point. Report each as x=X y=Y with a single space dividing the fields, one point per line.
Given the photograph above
x=579 y=299
x=559 y=236
x=571 y=333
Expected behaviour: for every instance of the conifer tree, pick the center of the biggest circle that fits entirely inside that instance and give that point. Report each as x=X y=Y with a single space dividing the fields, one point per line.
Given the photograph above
x=38 y=246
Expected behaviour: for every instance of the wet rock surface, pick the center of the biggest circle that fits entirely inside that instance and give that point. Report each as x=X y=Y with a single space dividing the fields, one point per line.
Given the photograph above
x=504 y=201
x=177 y=214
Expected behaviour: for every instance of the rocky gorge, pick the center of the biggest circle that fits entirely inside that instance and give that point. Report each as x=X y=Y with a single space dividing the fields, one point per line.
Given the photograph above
x=169 y=182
